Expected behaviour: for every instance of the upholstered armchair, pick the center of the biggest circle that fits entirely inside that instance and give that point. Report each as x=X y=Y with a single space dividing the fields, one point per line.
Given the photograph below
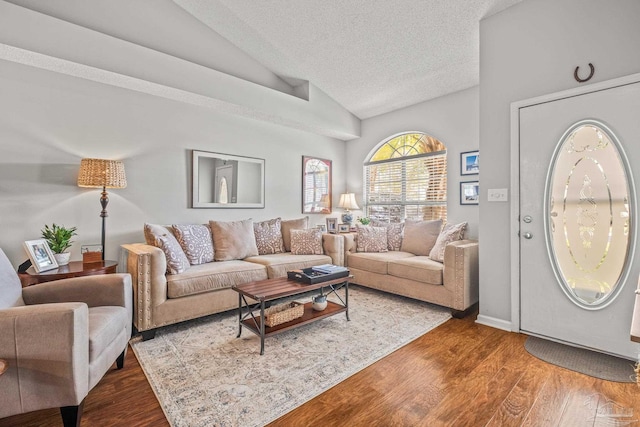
x=59 y=339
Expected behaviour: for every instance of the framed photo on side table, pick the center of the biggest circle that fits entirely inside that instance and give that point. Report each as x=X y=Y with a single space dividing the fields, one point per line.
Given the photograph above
x=40 y=255
x=343 y=228
x=469 y=163
x=332 y=225
x=469 y=192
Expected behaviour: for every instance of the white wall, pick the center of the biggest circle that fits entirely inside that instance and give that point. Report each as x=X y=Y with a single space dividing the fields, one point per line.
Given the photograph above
x=528 y=50
x=50 y=121
x=453 y=119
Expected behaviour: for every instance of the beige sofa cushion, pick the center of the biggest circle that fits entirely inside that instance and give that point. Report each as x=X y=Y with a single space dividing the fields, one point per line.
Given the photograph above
x=213 y=276
x=105 y=324
x=292 y=224
x=419 y=268
x=269 y=236
x=233 y=239
x=195 y=240
x=420 y=236
x=374 y=262
x=450 y=233
x=278 y=264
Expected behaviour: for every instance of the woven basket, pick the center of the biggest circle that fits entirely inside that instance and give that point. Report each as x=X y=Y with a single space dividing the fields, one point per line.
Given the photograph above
x=283 y=313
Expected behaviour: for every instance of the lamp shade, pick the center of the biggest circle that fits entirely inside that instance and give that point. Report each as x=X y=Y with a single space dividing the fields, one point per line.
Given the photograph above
x=348 y=201
x=102 y=173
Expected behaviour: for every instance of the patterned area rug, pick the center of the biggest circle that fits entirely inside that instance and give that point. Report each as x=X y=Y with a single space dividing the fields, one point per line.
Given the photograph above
x=204 y=376
x=581 y=360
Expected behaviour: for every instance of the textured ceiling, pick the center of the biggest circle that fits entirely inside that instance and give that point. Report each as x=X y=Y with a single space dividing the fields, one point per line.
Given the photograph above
x=371 y=56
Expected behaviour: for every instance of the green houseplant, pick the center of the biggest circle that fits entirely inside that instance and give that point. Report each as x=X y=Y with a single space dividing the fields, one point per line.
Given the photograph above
x=59 y=239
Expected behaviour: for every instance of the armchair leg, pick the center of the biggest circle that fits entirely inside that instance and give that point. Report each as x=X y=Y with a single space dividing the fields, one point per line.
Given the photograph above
x=71 y=415
x=120 y=359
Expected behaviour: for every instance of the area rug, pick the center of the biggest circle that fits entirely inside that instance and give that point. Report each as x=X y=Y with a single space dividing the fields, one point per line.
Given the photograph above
x=581 y=360
x=204 y=376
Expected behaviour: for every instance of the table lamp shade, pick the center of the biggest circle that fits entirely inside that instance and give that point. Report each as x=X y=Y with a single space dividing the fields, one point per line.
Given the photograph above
x=102 y=173
x=348 y=201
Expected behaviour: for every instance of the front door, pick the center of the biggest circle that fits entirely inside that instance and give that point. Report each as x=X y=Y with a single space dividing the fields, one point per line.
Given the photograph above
x=578 y=218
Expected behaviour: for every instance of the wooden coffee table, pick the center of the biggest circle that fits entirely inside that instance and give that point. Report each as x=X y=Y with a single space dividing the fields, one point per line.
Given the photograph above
x=262 y=291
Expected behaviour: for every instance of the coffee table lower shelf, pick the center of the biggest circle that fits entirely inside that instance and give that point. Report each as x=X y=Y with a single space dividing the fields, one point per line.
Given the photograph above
x=310 y=315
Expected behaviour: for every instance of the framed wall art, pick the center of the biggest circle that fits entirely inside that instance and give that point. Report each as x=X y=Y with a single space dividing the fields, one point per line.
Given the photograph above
x=469 y=163
x=469 y=192
x=332 y=225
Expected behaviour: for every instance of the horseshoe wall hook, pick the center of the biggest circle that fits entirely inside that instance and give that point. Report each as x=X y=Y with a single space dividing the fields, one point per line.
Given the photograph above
x=578 y=79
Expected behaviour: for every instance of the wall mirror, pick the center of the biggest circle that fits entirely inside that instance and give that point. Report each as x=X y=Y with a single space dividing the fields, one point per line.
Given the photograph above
x=226 y=181
x=316 y=185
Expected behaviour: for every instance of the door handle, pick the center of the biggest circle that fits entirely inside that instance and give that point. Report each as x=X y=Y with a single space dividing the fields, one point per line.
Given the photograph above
x=527 y=235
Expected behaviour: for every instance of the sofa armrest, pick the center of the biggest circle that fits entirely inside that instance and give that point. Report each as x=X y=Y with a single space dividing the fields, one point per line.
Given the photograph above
x=333 y=245
x=350 y=245
x=47 y=350
x=147 y=266
x=460 y=273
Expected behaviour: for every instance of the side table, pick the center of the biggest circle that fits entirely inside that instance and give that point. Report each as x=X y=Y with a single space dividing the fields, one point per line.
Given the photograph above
x=73 y=269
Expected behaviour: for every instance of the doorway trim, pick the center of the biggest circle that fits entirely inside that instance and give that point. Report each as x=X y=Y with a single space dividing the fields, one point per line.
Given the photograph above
x=514 y=223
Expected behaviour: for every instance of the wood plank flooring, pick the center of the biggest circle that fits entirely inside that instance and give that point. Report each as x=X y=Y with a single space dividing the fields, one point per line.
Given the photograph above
x=460 y=374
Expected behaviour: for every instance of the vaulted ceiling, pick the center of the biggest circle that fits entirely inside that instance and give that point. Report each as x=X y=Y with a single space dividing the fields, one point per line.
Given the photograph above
x=371 y=56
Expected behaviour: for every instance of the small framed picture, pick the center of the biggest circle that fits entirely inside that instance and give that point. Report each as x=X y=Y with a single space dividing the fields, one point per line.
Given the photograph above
x=469 y=192
x=343 y=228
x=332 y=225
x=40 y=255
x=322 y=227
x=469 y=163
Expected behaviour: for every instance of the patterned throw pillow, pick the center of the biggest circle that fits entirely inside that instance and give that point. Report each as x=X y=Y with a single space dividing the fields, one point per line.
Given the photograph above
x=292 y=224
x=233 y=239
x=306 y=242
x=371 y=239
x=195 y=240
x=161 y=237
x=420 y=236
x=269 y=236
x=450 y=233
x=394 y=233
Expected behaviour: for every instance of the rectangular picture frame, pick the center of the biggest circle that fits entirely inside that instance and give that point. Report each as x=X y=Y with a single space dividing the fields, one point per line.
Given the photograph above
x=469 y=192
x=332 y=225
x=343 y=228
x=40 y=254
x=469 y=163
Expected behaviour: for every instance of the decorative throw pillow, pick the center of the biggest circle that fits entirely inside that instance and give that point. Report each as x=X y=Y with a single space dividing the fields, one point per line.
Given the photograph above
x=371 y=239
x=233 y=239
x=450 y=233
x=306 y=242
x=269 y=236
x=195 y=240
x=292 y=224
x=394 y=233
x=420 y=236
x=161 y=237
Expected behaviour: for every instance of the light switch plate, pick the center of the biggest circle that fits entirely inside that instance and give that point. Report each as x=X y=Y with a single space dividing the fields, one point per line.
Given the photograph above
x=498 y=195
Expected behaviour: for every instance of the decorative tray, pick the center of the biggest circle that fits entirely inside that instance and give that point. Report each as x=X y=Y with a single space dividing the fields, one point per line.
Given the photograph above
x=311 y=277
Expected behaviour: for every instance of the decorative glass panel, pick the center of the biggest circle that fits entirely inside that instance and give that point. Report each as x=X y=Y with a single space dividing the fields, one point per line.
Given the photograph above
x=588 y=214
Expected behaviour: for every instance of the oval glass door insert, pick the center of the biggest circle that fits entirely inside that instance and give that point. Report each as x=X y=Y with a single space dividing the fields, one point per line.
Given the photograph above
x=588 y=218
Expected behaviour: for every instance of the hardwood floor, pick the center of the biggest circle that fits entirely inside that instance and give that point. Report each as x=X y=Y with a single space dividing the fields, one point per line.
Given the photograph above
x=460 y=374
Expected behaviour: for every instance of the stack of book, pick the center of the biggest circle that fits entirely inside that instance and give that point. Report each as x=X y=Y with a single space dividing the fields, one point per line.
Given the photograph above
x=329 y=268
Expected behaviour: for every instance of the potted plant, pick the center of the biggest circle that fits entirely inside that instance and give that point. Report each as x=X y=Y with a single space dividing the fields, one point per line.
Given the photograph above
x=364 y=220
x=59 y=239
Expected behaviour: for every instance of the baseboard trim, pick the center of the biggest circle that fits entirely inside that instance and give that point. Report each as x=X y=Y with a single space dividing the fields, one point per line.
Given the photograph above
x=494 y=323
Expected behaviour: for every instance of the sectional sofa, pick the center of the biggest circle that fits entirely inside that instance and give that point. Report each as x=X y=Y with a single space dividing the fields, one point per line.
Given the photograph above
x=175 y=280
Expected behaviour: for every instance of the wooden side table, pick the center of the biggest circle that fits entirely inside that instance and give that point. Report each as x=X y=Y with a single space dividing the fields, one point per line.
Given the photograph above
x=73 y=269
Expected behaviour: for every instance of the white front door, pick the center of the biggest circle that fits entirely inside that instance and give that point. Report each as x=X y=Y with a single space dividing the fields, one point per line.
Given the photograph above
x=577 y=272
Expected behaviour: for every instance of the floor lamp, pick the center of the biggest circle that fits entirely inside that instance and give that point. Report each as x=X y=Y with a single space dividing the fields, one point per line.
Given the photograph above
x=100 y=173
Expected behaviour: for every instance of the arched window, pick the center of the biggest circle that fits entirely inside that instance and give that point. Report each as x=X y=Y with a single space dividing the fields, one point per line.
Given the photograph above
x=406 y=177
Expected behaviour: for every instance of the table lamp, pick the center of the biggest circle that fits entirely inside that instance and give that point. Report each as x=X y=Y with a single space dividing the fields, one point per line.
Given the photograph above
x=348 y=201
x=101 y=173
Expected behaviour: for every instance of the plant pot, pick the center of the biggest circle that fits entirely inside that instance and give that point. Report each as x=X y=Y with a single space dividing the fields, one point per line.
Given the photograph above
x=63 y=258
x=319 y=302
